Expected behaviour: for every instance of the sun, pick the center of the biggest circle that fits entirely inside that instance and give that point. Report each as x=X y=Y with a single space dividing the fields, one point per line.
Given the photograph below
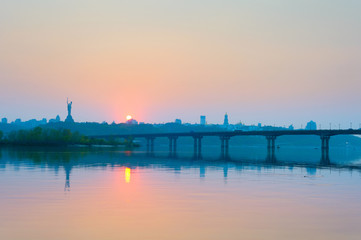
x=129 y=117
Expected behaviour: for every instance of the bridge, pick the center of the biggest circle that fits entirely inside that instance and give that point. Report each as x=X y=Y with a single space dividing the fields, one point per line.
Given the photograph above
x=225 y=136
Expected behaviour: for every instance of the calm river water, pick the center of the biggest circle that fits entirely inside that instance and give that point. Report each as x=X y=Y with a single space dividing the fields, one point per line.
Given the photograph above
x=106 y=193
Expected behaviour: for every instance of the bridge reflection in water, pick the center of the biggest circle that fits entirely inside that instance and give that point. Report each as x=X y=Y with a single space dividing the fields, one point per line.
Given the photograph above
x=67 y=159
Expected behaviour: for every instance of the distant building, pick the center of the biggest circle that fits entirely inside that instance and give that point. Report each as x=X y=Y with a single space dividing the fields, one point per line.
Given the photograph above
x=18 y=121
x=311 y=125
x=132 y=121
x=203 y=120
x=225 y=122
x=178 y=121
x=55 y=120
x=291 y=127
x=4 y=121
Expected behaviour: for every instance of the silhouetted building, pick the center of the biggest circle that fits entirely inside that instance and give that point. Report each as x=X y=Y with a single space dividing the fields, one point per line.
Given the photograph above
x=178 y=121
x=4 y=121
x=55 y=120
x=225 y=122
x=203 y=120
x=311 y=125
x=17 y=121
x=132 y=121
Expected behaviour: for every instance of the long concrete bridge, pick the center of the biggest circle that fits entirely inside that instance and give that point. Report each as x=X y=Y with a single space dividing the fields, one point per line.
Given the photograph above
x=225 y=136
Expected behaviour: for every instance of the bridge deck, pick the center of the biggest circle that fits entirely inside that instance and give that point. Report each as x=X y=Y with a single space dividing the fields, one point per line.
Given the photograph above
x=235 y=133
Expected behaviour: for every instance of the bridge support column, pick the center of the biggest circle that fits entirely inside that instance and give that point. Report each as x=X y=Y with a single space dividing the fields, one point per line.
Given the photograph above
x=325 y=147
x=271 y=142
x=271 y=146
x=150 y=145
x=224 y=147
x=172 y=146
x=197 y=147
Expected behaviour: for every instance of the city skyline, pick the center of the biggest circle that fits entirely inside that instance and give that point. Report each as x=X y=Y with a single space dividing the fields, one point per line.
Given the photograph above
x=278 y=63
x=202 y=121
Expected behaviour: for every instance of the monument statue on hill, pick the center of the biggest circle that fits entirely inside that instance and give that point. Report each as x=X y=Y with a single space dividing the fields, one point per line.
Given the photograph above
x=69 y=118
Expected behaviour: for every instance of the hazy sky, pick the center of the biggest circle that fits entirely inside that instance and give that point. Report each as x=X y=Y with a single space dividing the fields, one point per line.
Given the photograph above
x=275 y=62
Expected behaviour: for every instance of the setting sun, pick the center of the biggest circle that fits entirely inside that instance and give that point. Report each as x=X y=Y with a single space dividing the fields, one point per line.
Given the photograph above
x=129 y=117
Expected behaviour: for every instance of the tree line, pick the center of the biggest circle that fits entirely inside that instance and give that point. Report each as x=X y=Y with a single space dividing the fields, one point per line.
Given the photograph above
x=53 y=137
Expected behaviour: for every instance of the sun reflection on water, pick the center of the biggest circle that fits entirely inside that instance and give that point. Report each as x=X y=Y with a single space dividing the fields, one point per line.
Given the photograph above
x=127 y=175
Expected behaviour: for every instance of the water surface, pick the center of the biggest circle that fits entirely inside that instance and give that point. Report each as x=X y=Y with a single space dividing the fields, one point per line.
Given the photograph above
x=80 y=193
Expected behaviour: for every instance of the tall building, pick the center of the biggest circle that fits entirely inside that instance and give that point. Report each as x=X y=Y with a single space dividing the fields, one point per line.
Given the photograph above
x=225 y=122
x=311 y=125
x=203 y=120
x=4 y=121
x=178 y=121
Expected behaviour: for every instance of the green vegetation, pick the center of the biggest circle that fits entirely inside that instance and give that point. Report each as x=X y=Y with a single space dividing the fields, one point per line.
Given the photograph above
x=53 y=137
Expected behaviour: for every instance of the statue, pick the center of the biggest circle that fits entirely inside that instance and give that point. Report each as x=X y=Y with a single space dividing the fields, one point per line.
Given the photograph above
x=69 y=106
x=69 y=118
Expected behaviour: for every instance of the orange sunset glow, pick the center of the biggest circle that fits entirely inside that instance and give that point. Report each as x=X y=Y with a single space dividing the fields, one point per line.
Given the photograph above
x=180 y=120
x=174 y=58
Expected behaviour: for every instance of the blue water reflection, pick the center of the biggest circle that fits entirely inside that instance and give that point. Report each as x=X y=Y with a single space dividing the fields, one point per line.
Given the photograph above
x=104 y=193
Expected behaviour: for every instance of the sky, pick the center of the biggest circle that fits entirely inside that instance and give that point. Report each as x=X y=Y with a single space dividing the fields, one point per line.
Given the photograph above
x=276 y=62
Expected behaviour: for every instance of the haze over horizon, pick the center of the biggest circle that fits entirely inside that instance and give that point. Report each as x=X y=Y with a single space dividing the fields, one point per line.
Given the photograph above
x=275 y=62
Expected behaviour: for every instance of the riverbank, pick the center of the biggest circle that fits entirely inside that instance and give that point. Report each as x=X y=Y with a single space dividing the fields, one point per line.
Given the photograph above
x=53 y=137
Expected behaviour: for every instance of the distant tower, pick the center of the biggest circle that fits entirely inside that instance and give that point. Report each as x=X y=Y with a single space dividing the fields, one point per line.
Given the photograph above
x=225 y=122
x=203 y=120
x=311 y=125
x=69 y=118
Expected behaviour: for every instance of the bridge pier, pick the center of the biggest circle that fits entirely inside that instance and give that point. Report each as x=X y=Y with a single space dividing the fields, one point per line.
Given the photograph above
x=271 y=143
x=172 y=146
x=224 y=147
x=271 y=146
x=197 y=147
x=325 y=147
x=150 y=145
